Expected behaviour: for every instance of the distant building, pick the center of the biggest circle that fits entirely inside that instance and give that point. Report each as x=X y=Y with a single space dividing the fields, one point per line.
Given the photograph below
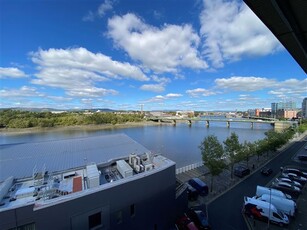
x=264 y=112
x=251 y=112
x=287 y=114
x=304 y=108
x=275 y=107
x=185 y=113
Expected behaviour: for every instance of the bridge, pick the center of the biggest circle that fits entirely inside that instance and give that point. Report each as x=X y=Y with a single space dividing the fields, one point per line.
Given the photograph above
x=278 y=125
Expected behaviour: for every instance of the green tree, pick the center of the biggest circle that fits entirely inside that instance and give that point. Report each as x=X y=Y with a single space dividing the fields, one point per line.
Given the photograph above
x=212 y=155
x=247 y=150
x=232 y=148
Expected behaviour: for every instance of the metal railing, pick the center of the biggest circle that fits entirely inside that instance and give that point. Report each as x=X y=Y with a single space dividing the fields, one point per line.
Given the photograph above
x=189 y=167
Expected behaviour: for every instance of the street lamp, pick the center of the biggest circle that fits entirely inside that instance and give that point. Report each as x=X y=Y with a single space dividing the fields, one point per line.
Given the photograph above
x=270 y=203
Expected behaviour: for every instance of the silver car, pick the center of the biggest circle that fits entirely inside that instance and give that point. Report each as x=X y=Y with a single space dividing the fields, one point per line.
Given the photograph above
x=289 y=181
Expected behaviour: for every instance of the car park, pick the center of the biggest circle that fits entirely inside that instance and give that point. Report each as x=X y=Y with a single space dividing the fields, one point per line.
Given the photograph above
x=199 y=218
x=289 y=181
x=263 y=211
x=296 y=171
x=285 y=205
x=260 y=190
x=266 y=171
x=295 y=177
x=287 y=188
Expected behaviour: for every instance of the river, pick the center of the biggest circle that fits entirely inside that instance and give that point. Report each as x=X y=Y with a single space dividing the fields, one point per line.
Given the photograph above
x=179 y=143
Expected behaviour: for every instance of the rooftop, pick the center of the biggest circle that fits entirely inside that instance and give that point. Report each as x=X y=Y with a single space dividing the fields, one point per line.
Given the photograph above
x=44 y=188
x=21 y=160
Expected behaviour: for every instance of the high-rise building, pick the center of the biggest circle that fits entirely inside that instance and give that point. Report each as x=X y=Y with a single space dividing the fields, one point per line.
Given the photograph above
x=290 y=105
x=304 y=108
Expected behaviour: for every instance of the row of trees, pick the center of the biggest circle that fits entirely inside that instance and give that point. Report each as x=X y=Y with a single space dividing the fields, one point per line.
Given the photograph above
x=26 y=119
x=218 y=156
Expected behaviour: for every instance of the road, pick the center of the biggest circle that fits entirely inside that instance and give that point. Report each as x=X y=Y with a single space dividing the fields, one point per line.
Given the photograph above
x=225 y=211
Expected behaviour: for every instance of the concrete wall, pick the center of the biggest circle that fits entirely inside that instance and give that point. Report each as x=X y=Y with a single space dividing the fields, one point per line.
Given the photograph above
x=153 y=199
x=280 y=126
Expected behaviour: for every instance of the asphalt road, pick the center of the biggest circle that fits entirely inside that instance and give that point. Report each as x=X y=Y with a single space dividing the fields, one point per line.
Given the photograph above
x=225 y=212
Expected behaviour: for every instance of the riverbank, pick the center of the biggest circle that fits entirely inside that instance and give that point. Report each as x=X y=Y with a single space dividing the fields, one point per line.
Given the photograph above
x=13 y=131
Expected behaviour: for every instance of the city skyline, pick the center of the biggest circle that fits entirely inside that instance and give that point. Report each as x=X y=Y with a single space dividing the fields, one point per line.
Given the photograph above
x=167 y=55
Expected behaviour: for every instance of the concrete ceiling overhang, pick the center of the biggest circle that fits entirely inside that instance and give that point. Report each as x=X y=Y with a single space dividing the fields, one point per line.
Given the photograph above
x=287 y=19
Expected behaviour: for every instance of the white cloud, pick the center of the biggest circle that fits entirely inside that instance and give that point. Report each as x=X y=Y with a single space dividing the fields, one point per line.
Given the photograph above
x=160 y=98
x=163 y=49
x=103 y=8
x=89 y=17
x=173 y=95
x=163 y=80
x=248 y=84
x=60 y=98
x=231 y=30
x=81 y=58
x=153 y=87
x=24 y=91
x=11 y=72
x=78 y=70
x=200 y=92
x=291 y=88
x=157 y=88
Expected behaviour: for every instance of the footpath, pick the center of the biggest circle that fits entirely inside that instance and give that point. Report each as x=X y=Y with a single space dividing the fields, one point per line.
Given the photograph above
x=224 y=182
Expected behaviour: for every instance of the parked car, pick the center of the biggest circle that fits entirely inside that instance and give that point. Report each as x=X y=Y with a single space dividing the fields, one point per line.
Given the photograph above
x=289 y=181
x=199 y=218
x=295 y=170
x=295 y=177
x=266 y=171
x=200 y=186
x=192 y=193
x=185 y=223
x=241 y=171
x=287 y=188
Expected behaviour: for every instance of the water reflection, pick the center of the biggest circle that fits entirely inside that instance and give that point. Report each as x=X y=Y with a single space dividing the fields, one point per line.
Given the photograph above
x=179 y=143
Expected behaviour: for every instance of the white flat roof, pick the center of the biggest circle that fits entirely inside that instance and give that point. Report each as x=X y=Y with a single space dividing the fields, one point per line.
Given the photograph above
x=18 y=160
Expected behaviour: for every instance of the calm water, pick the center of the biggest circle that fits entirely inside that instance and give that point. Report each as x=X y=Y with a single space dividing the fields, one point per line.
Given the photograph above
x=179 y=143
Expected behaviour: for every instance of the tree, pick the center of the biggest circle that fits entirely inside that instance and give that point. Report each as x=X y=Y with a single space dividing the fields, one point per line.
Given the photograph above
x=212 y=155
x=247 y=150
x=232 y=148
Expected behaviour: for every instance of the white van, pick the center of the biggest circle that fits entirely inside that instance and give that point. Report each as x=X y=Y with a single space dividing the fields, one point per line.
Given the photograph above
x=283 y=204
x=260 y=190
x=264 y=211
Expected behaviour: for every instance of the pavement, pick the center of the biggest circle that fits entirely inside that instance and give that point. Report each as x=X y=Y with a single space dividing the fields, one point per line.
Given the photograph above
x=221 y=183
x=224 y=182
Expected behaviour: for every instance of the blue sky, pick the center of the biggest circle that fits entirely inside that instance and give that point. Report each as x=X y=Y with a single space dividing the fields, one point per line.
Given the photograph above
x=175 y=54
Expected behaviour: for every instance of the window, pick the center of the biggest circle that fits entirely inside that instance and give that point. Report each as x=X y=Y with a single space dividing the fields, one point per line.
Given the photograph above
x=132 y=210
x=276 y=216
x=94 y=220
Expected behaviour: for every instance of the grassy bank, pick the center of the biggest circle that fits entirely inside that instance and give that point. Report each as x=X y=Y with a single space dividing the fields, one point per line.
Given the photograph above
x=16 y=131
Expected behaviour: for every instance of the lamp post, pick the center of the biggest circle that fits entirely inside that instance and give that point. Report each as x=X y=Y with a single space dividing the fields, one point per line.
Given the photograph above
x=270 y=208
